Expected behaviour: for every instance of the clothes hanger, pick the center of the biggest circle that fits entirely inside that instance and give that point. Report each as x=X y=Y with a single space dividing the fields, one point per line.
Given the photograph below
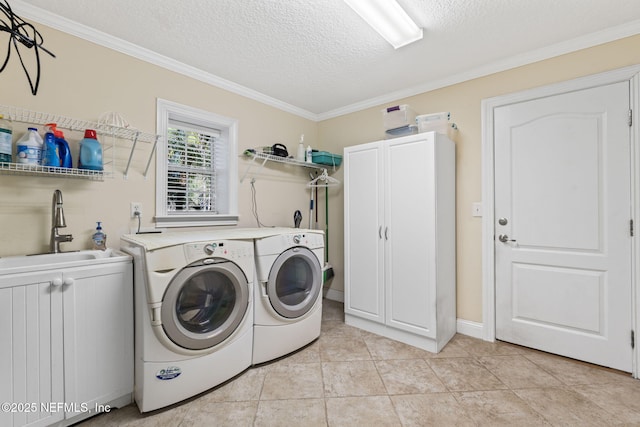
x=323 y=180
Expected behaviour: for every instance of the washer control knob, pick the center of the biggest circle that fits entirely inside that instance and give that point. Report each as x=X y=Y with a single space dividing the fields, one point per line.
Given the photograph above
x=210 y=248
x=297 y=239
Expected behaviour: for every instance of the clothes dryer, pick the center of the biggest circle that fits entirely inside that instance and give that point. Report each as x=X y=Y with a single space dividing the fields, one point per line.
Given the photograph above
x=288 y=297
x=193 y=313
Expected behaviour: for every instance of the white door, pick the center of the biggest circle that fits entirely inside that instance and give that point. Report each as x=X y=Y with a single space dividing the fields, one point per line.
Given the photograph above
x=31 y=352
x=363 y=231
x=409 y=235
x=98 y=334
x=562 y=211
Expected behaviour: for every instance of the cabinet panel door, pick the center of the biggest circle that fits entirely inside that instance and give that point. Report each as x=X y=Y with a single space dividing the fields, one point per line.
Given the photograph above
x=98 y=324
x=364 y=219
x=409 y=234
x=31 y=349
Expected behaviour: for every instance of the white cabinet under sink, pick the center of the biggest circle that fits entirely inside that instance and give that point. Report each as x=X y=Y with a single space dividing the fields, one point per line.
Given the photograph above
x=399 y=211
x=66 y=343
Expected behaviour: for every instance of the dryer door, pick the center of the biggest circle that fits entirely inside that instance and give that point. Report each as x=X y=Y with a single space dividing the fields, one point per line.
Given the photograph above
x=204 y=304
x=295 y=281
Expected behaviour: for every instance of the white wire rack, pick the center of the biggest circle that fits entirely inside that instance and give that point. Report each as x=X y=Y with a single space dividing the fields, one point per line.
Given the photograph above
x=265 y=157
x=26 y=169
x=22 y=115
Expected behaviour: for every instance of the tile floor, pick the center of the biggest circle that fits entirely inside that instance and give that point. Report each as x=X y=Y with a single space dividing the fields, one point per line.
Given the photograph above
x=350 y=377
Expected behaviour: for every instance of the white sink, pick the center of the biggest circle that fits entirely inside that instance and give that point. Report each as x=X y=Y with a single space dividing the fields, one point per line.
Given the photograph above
x=13 y=264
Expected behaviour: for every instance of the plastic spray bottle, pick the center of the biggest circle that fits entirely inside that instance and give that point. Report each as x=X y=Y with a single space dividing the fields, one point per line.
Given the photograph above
x=301 y=153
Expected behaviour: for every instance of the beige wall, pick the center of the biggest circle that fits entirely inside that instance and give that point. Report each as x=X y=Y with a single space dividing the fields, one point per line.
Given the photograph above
x=464 y=102
x=86 y=80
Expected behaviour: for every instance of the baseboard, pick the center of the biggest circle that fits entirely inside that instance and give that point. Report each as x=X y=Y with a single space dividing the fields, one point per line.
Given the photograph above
x=469 y=328
x=333 y=295
x=464 y=327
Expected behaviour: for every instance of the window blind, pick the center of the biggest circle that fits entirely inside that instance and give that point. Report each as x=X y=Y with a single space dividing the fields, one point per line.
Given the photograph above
x=195 y=154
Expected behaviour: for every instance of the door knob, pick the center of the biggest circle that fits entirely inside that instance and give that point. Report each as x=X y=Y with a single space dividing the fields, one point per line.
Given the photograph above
x=504 y=238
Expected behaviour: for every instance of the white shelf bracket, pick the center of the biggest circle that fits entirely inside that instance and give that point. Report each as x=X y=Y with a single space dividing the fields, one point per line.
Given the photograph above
x=133 y=148
x=153 y=150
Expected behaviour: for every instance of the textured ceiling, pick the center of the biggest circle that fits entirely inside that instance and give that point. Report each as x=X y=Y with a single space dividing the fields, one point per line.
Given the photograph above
x=320 y=58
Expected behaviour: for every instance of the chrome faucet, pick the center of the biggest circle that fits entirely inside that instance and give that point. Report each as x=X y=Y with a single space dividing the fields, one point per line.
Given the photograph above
x=57 y=221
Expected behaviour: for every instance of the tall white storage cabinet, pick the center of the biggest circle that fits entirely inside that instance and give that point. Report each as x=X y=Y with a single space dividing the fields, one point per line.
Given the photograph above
x=400 y=239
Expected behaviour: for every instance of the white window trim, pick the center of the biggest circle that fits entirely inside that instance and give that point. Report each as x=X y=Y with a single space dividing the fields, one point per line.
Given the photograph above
x=229 y=131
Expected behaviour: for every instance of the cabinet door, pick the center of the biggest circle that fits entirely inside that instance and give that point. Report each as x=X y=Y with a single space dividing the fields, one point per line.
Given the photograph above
x=363 y=231
x=98 y=333
x=409 y=234
x=31 y=349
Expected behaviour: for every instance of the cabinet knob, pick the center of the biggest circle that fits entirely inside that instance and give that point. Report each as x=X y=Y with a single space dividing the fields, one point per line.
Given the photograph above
x=69 y=281
x=56 y=282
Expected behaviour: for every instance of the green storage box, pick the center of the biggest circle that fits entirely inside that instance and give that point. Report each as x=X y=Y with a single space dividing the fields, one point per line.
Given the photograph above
x=326 y=158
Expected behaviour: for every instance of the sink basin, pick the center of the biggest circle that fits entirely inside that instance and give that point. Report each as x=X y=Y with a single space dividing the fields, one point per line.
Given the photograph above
x=63 y=259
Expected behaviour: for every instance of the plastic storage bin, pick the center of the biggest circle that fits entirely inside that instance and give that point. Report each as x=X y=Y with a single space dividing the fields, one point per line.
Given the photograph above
x=326 y=158
x=438 y=122
x=398 y=116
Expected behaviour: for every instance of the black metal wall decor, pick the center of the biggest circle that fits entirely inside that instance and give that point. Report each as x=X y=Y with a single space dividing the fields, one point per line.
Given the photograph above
x=23 y=37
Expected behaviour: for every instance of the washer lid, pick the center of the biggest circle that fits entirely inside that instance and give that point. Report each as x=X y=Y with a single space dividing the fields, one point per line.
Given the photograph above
x=294 y=283
x=204 y=304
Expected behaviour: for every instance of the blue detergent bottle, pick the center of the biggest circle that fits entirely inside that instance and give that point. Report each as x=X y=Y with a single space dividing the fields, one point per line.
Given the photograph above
x=63 y=149
x=90 y=152
x=50 y=156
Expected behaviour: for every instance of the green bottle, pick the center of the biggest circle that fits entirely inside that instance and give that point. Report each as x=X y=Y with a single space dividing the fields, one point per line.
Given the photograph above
x=6 y=147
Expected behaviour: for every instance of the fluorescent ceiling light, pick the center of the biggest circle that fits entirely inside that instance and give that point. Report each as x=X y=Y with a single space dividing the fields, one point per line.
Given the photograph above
x=388 y=19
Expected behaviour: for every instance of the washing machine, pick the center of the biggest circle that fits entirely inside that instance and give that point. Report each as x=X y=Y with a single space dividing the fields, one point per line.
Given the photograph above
x=193 y=312
x=288 y=291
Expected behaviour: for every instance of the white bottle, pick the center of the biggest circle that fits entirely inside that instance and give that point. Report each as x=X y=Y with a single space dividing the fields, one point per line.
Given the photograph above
x=309 y=154
x=29 y=148
x=301 y=153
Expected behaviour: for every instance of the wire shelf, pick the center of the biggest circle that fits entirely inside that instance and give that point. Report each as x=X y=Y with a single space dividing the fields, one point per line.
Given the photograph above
x=28 y=169
x=264 y=157
x=278 y=159
x=18 y=114
x=23 y=115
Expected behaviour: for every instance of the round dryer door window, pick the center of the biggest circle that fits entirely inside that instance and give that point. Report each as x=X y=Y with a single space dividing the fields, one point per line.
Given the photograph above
x=295 y=281
x=204 y=304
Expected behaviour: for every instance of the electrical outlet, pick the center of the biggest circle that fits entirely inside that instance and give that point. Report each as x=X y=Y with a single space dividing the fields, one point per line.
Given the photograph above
x=476 y=209
x=136 y=207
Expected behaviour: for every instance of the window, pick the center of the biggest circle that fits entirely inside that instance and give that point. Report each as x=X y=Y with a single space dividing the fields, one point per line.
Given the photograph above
x=196 y=173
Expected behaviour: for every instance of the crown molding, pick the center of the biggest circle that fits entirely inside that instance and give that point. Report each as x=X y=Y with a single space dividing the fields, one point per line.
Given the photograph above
x=593 y=39
x=87 y=33
x=90 y=34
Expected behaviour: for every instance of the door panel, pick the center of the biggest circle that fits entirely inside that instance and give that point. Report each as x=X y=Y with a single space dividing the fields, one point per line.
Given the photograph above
x=364 y=217
x=563 y=201
x=573 y=154
x=410 y=257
